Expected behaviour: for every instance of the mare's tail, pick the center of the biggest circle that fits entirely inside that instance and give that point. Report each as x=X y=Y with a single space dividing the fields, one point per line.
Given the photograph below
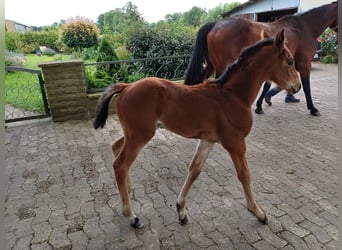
x=102 y=106
x=194 y=72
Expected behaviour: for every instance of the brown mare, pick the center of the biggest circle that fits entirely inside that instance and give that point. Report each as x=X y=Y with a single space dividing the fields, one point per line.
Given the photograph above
x=219 y=43
x=213 y=111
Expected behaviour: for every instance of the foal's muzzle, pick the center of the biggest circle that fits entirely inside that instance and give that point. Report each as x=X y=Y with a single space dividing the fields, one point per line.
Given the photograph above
x=294 y=89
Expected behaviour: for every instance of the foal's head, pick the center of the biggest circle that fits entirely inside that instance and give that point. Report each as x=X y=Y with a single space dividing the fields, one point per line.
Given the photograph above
x=268 y=59
x=282 y=69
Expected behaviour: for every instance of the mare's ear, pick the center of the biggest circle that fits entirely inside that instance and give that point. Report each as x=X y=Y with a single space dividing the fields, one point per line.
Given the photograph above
x=264 y=34
x=279 y=38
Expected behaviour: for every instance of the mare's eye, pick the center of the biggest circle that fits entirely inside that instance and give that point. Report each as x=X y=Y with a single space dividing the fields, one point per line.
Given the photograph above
x=289 y=61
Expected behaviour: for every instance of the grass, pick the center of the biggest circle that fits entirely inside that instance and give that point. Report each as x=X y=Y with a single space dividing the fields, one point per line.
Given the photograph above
x=33 y=60
x=23 y=89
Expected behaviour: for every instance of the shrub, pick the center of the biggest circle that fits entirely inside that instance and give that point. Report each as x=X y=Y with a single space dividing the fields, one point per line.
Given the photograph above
x=29 y=41
x=79 y=33
x=149 y=42
x=329 y=46
x=12 y=41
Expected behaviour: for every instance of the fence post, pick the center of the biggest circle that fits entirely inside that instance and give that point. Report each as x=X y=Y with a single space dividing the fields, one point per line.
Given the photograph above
x=66 y=91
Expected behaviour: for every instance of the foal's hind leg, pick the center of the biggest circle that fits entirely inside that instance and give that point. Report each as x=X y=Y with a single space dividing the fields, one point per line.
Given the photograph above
x=195 y=168
x=117 y=145
x=116 y=148
x=121 y=165
x=238 y=155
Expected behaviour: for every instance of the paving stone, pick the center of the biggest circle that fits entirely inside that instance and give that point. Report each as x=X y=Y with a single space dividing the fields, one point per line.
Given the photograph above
x=78 y=240
x=292 y=212
x=293 y=227
x=311 y=216
x=267 y=235
x=319 y=233
x=41 y=232
x=22 y=243
x=263 y=245
x=294 y=240
x=58 y=238
x=91 y=228
x=41 y=246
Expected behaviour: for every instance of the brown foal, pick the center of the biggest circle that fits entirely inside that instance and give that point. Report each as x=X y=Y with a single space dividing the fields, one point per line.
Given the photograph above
x=213 y=111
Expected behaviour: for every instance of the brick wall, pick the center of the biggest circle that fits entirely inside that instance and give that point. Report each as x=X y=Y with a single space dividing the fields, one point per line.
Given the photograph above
x=65 y=88
x=66 y=91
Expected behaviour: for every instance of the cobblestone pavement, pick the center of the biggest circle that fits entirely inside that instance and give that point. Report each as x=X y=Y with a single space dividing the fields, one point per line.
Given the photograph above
x=62 y=195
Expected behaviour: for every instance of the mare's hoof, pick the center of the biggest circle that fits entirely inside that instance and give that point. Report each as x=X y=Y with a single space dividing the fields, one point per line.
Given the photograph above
x=268 y=99
x=136 y=223
x=315 y=113
x=259 y=111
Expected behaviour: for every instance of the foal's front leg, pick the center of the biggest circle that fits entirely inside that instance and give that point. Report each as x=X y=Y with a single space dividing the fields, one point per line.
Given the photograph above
x=195 y=168
x=238 y=155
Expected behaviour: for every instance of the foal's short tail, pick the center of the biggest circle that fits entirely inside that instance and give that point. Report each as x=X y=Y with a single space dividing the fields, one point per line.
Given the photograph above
x=102 y=106
x=194 y=72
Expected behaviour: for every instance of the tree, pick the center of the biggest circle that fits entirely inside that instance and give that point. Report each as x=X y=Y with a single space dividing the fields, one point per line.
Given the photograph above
x=216 y=13
x=121 y=20
x=193 y=16
x=79 y=33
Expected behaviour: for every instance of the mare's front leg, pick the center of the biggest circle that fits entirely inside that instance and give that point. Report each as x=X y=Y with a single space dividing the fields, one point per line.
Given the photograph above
x=267 y=86
x=305 y=78
x=195 y=168
x=238 y=154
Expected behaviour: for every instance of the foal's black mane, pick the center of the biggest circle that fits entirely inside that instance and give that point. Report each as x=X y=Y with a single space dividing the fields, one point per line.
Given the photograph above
x=244 y=56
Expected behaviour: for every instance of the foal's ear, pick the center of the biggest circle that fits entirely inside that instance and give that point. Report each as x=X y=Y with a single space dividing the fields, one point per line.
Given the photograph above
x=279 y=38
x=264 y=34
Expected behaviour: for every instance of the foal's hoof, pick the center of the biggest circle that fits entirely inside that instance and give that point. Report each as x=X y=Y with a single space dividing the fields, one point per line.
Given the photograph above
x=264 y=220
x=184 y=221
x=315 y=113
x=182 y=216
x=136 y=223
x=259 y=111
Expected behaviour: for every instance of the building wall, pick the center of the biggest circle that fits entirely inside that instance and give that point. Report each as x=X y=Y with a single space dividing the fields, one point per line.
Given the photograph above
x=305 y=5
x=267 y=5
x=12 y=26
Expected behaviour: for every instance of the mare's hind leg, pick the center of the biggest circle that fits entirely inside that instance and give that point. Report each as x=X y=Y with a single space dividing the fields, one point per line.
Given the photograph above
x=195 y=168
x=238 y=155
x=121 y=165
x=266 y=87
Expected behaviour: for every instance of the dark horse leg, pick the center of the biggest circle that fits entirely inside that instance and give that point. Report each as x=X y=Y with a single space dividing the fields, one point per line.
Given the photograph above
x=267 y=86
x=307 y=91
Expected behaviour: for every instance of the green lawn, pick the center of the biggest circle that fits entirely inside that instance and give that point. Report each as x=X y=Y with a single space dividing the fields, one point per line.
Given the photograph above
x=33 y=60
x=23 y=89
